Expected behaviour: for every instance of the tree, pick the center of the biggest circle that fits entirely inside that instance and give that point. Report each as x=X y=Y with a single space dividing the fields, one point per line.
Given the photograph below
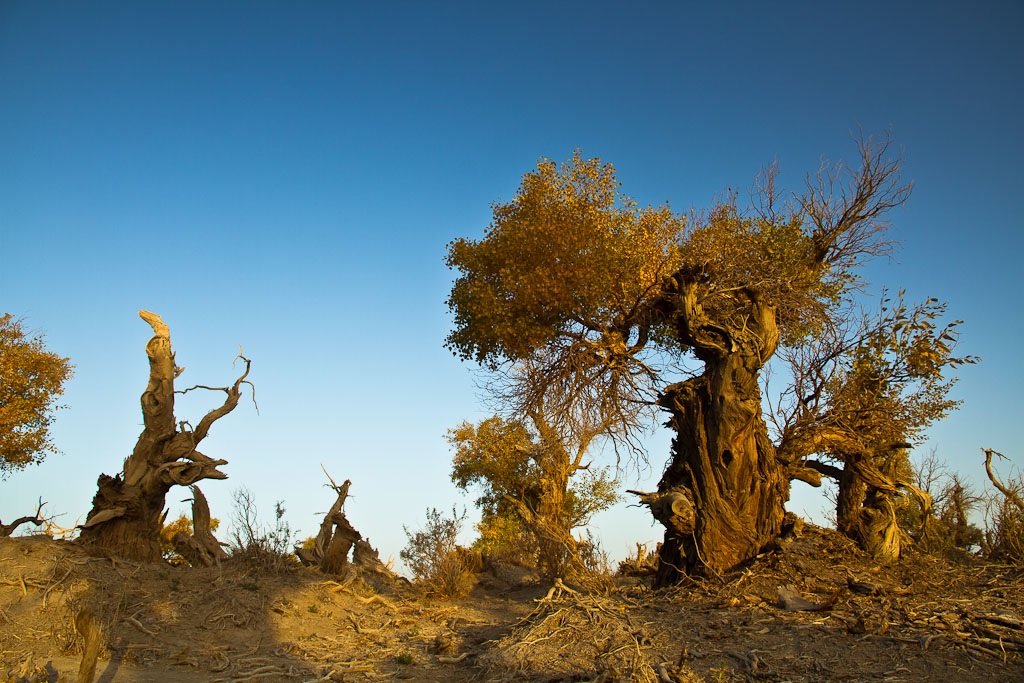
x=128 y=509
x=31 y=380
x=608 y=298
x=534 y=487
x=862 y=391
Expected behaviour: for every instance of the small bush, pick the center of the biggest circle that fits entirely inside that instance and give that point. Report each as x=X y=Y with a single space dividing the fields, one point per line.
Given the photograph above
x=504 y=538
x=260 y=548
x=439 y=566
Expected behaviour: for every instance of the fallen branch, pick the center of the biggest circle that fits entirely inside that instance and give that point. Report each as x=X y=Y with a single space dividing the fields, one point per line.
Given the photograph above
x=138 y=624
x=7 y=529
x=452 y=660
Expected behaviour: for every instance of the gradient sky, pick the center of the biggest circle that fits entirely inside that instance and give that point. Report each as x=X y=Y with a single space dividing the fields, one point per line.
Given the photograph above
x=285 y=176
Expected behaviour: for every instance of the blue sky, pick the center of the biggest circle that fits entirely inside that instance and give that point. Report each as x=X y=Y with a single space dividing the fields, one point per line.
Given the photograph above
x=286 y=177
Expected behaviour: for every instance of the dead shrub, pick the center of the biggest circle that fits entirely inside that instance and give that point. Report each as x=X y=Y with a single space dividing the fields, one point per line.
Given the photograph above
x=590 y=566
x=643 y=563
x=939 y=522
x=1004 y=532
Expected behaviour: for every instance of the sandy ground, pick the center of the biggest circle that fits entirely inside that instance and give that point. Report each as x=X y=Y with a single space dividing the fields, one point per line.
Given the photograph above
x=923 y=620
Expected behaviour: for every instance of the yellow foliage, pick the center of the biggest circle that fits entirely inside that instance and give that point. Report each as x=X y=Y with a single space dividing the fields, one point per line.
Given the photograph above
x=183 y=524
x=31 y=379
x=567 y=248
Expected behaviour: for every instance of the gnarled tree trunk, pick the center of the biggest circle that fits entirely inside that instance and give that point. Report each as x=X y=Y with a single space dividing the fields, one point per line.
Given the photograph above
x=850 y=495
x=200 y=548
x=722 y=458
x=338 y=540
x=128 y=509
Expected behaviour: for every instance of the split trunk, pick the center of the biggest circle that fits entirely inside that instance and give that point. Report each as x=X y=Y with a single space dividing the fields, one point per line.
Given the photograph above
x=128 y=509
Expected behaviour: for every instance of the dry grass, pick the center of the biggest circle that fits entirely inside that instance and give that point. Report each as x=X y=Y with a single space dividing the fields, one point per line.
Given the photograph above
x=573 y=636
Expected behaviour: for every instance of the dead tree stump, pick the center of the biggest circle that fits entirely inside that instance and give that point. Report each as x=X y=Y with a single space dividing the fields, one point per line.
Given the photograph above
x=128 y=509
x=338 y=541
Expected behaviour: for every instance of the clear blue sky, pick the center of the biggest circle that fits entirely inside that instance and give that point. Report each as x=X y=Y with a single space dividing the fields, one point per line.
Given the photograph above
x=285 y=176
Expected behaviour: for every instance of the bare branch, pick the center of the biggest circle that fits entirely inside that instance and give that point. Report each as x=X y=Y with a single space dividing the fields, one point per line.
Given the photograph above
x=846 y=206
x=36 y=519
x=1009 y=493
x=230 y=403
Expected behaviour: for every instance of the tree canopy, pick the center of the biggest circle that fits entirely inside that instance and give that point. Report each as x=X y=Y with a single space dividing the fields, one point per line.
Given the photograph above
x=606 y=295
x=609 y=303
x=31 y=381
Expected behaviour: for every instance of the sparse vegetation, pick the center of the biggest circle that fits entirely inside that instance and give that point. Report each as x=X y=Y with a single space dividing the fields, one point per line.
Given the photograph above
x=258 y=546
x=586 y=313
x=434 y=557
x=1004 y=532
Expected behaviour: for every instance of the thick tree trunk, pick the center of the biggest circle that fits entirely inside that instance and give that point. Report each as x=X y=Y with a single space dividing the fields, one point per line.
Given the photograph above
x=850 y=504
x=554 y=534
x=723 y=460
x=128 y=509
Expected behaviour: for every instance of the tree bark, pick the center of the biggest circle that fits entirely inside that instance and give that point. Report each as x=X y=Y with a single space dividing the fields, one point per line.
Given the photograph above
x=722 y=457
x=201 y=548
x=128 y=508
x=724 y=461
x=850 y=496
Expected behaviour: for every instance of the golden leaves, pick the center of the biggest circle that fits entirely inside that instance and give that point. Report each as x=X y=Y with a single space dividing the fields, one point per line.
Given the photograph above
x=568 y=254
x=31 y=379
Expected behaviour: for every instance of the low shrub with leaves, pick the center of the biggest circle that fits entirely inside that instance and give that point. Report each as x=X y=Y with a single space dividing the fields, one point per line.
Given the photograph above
x=433 y=555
